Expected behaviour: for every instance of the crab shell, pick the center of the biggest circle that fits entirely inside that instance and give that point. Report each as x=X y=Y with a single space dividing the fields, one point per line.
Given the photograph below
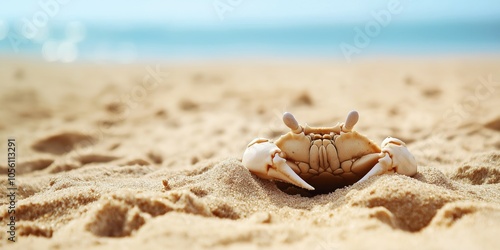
x=327 y=158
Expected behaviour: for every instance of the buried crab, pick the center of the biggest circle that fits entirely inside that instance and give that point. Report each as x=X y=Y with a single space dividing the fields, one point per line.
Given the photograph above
x=326 y=158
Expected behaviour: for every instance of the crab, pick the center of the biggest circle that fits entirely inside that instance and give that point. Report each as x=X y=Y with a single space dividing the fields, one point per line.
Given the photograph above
x=326 y=158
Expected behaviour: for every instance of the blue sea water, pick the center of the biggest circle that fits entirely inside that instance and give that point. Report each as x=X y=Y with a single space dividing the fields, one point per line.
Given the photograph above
x=345 y=41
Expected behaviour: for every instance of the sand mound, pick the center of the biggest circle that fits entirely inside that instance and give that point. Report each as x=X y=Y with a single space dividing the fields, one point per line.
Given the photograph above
x=480 y=169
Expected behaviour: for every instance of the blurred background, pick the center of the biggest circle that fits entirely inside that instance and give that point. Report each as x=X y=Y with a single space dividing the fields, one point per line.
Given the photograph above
x=125 y=32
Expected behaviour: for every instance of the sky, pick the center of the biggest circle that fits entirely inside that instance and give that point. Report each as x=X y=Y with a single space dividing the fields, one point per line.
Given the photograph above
x=222 y=12
x=180 y=27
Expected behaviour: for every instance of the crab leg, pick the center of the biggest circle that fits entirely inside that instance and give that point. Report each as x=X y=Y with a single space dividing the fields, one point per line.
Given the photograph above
x=383 y=166
x=264 y=159
x=395 y=157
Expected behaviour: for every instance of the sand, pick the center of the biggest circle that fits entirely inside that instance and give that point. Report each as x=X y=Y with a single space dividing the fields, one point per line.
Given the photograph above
x=149 y=155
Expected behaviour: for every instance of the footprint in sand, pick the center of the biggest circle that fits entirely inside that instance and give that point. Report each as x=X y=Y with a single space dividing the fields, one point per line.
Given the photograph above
x=493 y=124
x=303 y=99
x=33 y=165
x=188 y=105
x=96 y=158
x=431 y=92
x=62 y=143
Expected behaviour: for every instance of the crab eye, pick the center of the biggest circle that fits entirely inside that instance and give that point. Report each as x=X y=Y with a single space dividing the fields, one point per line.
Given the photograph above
x=351 y=120
x=291 y=123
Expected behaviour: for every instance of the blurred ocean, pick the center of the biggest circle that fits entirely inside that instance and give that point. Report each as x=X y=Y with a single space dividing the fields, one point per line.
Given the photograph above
x=74 y=41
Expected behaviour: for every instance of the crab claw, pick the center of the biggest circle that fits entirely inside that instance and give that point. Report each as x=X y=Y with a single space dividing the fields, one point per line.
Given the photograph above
x=395 y=157
x=263 y=159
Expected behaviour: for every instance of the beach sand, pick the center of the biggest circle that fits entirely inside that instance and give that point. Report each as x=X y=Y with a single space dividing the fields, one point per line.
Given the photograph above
x=149 y=156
